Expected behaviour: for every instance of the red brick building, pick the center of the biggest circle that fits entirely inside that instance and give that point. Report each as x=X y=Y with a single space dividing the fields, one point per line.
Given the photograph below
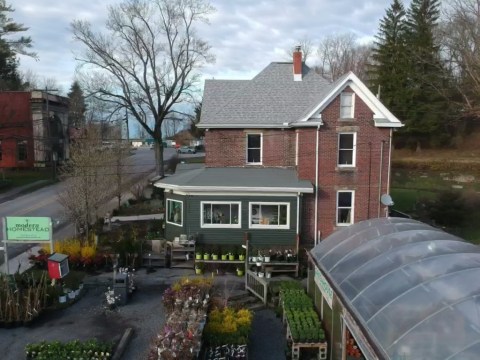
x=33 y=129
x=293 y=154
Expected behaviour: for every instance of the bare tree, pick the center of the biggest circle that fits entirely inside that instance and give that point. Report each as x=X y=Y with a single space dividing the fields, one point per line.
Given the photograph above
x=120 y=164
x=147 y=60
x=307 y=47
x=339 y=54
x=86 y=179
x=460 y=40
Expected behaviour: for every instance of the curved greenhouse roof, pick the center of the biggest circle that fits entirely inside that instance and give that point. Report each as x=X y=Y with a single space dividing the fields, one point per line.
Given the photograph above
x=413 y=288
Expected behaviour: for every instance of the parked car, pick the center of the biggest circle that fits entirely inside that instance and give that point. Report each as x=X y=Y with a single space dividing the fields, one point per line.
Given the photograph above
x=186 y=150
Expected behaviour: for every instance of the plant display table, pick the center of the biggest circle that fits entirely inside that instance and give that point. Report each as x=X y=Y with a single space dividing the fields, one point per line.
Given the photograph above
x=185 y=304
x=303 y=327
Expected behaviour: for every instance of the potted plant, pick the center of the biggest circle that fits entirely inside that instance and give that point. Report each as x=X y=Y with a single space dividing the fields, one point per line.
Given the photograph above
x=206 y=256
x=225 y=256
x=266 y=258
x=261 y=274
x=239 y=271
x=214 y=256
x=231 y=256
x=198 y=254
x=198 y=269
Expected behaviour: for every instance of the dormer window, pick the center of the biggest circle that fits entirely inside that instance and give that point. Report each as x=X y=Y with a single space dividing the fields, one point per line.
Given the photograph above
x=347 y=102
x=254 y=148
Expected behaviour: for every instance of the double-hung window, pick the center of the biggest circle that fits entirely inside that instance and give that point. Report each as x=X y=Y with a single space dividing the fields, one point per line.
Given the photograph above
x=345 y=202
x=269 y=215
x=347 y=149
x=220 y=214
x=22 y=150
x=175 y=212
x=254 y=148
x=347 y=102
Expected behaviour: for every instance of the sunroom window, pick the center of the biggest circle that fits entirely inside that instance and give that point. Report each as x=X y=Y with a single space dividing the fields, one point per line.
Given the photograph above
x=220 y=214
x=175 y=212
x=270 y=215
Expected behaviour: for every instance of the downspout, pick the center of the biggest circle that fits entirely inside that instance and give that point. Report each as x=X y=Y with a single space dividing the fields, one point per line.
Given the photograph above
x=380 y=177
x=316 y=185
x=298 y=214
x=389 y=160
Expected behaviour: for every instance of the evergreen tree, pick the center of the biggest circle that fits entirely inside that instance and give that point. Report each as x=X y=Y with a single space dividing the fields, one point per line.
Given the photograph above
x=9 y=47
x=426 y=116
x=77 y=107
x=388 y=72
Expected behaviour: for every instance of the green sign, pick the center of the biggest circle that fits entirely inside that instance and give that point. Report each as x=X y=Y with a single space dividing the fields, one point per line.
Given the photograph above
x=28 y=228
x=324 y=287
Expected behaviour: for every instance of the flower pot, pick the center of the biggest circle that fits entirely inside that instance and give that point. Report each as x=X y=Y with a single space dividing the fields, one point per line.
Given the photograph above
x=259 y=263
x=231 y=257
x=198 y=256
x=241 y=257
x=206 y=257
x=266 y=259
x=62 y=299
x=268 y=275
x=77 y=292
x=254 y=259
x=80 y=286
x=224 y=257
x=214 y=257
x=261 y=274
x=260 y=258
x=239 y=272
x=71 y=295
x=198 y=271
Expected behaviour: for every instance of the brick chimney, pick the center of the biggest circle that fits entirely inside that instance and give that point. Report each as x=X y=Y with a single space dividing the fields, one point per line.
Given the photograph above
x=297 y=64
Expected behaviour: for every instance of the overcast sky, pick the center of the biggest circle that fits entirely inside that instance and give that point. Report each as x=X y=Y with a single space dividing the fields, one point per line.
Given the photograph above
x=245 y=35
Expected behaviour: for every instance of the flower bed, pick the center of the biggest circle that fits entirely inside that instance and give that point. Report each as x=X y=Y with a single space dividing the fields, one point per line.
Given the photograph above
x=186 y=304
x=88 y=350
x=226 y=333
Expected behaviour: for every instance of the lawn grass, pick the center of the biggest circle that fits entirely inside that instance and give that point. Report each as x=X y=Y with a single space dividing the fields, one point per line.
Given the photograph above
x=17 y=178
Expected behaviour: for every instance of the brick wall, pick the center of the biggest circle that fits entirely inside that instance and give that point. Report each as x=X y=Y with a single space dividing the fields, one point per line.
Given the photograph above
x=228 y=147
x=364 y=178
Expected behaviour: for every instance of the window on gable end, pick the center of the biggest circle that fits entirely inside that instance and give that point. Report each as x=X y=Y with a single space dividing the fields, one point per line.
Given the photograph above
x=347 y=101
x=254 y=148
x=347 y=149
x=345 y=202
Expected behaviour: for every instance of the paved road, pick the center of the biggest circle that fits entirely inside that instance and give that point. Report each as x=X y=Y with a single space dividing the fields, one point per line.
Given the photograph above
x=44 y=201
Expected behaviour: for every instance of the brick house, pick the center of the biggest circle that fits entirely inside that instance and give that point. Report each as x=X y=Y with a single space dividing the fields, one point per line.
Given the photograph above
x=28 y=136
x=290 y=157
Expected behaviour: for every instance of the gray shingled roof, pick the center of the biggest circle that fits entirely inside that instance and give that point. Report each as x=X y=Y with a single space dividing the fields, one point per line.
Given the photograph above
x=237 y=179
x=272 y=98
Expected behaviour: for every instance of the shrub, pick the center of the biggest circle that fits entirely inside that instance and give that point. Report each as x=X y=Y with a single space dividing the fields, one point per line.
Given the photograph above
x=227 y=326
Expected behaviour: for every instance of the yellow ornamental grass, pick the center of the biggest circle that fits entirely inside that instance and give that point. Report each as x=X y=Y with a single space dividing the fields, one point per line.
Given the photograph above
x=72 y=247
x=89 y=251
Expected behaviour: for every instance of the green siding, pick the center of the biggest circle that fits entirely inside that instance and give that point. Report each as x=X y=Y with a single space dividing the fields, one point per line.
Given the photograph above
x=229 y=236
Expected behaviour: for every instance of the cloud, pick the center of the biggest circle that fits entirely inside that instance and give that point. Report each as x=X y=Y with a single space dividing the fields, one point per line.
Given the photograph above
x=245 y=35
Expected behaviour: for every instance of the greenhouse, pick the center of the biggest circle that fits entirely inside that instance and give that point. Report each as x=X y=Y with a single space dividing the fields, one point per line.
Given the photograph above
x=394 y=288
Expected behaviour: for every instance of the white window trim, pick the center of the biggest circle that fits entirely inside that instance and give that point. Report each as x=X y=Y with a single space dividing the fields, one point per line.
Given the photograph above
x=235 y=226
x=168 y=211
x=352 y=211
x=261 y=148
x=352 y=110
x=262 y=226
x=354 y=150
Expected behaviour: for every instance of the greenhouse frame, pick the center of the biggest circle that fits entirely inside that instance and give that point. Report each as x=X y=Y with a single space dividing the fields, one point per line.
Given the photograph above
x=396 y=288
